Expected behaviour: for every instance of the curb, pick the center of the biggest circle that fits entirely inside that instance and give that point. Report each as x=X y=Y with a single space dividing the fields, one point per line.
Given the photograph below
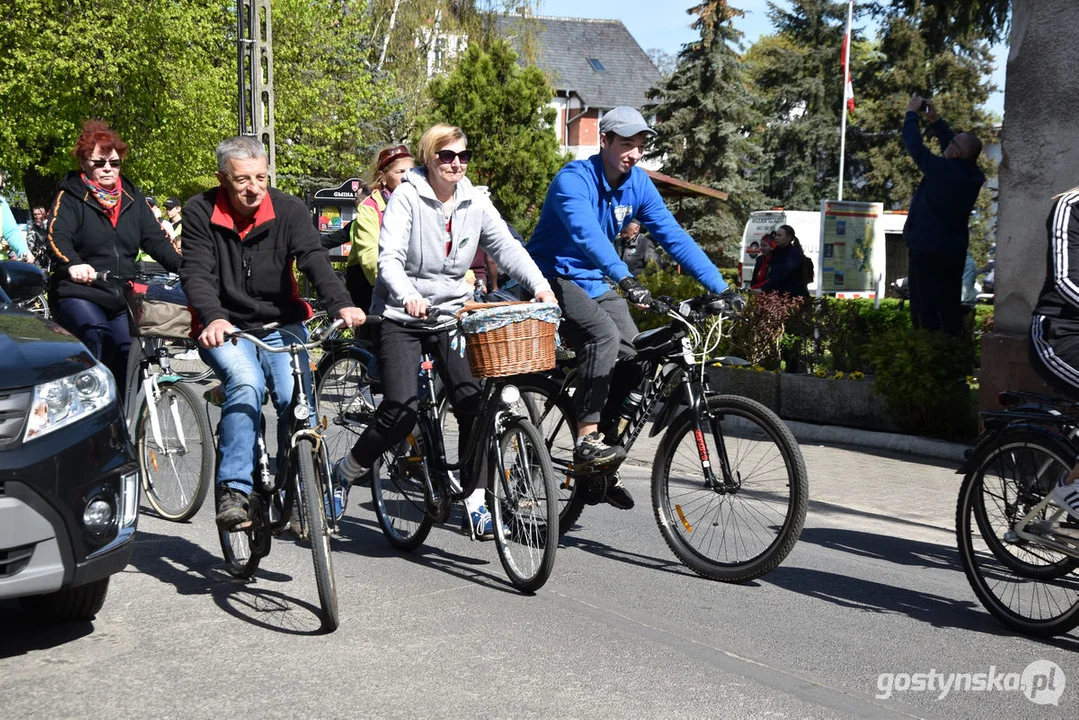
x=894 y=442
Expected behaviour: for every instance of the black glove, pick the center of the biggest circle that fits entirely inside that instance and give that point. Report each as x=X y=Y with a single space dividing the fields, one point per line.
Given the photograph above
x=634 y=291
x=735 y=302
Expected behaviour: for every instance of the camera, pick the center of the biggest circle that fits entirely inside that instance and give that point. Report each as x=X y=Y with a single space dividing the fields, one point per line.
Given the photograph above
x=926 y=105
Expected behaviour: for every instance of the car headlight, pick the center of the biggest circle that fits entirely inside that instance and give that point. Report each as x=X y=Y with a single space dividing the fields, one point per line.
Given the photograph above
x=61 y=402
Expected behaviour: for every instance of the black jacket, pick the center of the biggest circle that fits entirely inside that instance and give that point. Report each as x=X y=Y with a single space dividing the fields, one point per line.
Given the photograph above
x=249 y=282
x=939 y=217
x=79 y=232
x=785 y=272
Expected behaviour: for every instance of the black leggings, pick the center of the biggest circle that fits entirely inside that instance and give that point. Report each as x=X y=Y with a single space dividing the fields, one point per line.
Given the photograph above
x=400 y=350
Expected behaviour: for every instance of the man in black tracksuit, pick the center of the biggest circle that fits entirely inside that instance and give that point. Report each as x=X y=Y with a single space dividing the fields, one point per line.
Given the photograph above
x=241 y=240
x=936 y=231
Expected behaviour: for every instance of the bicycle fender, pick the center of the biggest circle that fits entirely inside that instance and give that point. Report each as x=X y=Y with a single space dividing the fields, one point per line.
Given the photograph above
x=988 y=440
x=666 y=414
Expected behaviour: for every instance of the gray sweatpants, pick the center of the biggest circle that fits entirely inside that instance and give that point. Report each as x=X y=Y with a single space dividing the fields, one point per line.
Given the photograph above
x=600 y=330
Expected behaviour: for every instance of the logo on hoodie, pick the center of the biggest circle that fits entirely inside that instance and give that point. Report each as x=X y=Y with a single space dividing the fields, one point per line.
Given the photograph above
x=621 y=212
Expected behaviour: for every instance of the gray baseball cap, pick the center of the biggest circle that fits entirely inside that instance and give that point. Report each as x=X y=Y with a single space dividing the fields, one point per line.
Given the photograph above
x=624 y=121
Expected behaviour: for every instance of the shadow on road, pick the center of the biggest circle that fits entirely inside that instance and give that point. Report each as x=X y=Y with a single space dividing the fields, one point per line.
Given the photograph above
x=22 y=635
x=858 y=593
x=194 y=571
x=364 y=536
x=648 y=562
x=884 y=547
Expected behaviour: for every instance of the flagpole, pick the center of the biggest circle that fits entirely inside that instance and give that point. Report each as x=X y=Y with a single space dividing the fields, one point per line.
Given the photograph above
x=843 y=105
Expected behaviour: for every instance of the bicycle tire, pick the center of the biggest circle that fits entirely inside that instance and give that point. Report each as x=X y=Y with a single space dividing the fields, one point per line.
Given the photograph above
x=556 y=420
x=346 y=405
x=773 y=489
x=313 y=476
x=243 y=550
x=177 y=474
x=399 y=495
x=524 y=506
x=1031 y=589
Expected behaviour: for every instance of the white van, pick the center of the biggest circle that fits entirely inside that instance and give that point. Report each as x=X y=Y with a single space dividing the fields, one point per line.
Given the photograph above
x=807 y=229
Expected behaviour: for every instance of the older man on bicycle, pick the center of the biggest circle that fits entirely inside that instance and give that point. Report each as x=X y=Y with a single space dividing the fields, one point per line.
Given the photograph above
x=241 y=240
x=588 y=203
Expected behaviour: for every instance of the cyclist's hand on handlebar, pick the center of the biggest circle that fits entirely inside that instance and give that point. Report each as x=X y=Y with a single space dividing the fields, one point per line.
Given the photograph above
x=546 y=296
x=416 y=307
x=735 y=301
x=83 y=273
x=635 y=292
x=352 y=316
x=213 y=335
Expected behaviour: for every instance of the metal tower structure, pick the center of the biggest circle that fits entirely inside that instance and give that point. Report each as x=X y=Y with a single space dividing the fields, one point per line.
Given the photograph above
x=254 y=70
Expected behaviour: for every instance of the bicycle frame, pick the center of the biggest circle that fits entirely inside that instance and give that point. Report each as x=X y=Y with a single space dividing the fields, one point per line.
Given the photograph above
x=439 y=499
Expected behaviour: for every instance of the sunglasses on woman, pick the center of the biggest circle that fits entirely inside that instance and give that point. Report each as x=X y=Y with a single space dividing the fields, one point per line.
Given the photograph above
x=447 y=156
x=113 y=162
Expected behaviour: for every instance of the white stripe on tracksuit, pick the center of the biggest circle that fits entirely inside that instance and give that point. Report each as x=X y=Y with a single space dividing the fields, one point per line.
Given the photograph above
x=1059 y=239
x=1065 y=285
x=1055 y=364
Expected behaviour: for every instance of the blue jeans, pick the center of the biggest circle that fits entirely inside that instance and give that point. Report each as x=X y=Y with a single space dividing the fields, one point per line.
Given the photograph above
x=247 y=372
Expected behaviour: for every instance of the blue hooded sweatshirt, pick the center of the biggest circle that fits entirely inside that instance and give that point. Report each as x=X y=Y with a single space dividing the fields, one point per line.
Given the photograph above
x=939 y=216
x=581 y=216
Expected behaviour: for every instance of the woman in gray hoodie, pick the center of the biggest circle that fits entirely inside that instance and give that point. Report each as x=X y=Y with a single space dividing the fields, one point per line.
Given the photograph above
x=430 y=230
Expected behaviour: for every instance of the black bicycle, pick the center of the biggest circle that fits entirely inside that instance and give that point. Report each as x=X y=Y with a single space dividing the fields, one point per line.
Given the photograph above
x=1019 y=550
x=301 y=485
x=729 y=485
x=415 y=485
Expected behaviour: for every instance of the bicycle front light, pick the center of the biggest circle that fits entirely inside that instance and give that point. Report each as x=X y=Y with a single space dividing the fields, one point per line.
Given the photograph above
x=59 y=403
x=510 y=394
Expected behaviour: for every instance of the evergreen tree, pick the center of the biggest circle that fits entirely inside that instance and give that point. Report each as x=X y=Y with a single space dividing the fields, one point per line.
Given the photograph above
x=798 y=73
x=707 y=131
x=503 y=110
x=956 y=78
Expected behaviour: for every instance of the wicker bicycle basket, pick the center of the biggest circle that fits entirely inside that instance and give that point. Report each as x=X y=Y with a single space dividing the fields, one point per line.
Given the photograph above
x=510 y=338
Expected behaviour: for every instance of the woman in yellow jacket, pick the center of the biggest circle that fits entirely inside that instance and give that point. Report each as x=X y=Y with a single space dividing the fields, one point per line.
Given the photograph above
x=362 y=266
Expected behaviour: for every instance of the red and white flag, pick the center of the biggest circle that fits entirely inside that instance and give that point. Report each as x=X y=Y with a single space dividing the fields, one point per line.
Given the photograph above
x=848 y=87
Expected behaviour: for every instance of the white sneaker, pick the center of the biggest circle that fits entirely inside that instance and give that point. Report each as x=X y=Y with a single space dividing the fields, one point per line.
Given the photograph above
x=1067 y=496
x=188 y=355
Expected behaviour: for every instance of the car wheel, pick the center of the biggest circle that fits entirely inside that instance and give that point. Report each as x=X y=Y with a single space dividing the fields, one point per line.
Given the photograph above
x=73 y=603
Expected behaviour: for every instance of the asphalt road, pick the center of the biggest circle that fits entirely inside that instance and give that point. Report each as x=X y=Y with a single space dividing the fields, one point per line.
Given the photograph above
x=621 y=630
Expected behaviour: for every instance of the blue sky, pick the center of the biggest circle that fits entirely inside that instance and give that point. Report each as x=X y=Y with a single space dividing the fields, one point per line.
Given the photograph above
x=664 y=24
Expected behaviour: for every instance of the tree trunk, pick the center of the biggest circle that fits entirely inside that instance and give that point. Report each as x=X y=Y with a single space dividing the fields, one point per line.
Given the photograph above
x=1040 y=157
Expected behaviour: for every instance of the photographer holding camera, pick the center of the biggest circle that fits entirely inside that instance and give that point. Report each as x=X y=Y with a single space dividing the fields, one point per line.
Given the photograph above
x=936 y=231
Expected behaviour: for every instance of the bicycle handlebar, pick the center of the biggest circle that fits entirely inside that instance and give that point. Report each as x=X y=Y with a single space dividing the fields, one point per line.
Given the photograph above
x=316 y=338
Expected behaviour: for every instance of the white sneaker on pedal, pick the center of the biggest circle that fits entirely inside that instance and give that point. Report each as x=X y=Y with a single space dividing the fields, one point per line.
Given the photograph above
x=1067 y=496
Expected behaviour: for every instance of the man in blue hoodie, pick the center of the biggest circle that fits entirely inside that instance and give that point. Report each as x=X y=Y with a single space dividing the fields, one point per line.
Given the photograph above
x=937 y=231
x=588 y=203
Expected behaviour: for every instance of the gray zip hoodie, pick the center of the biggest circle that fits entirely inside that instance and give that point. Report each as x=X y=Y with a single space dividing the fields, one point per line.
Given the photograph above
x=412 y=257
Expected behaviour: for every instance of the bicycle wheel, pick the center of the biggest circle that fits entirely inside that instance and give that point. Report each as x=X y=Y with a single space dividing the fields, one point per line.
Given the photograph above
x=730 y=533
x=1028 y=587
x=397 y=489
x=523 y=499
x=244 y=549
x=39 y=305
x=346 y=404
x=313 y=475
x=554 y=417
x=176 y=461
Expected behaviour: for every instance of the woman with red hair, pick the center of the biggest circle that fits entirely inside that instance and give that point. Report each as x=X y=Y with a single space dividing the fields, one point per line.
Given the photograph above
x=98 y=222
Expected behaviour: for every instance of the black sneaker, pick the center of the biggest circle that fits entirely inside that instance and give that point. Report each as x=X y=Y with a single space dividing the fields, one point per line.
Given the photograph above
x=232 y=508
x=617 y=494
x=591 y=453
